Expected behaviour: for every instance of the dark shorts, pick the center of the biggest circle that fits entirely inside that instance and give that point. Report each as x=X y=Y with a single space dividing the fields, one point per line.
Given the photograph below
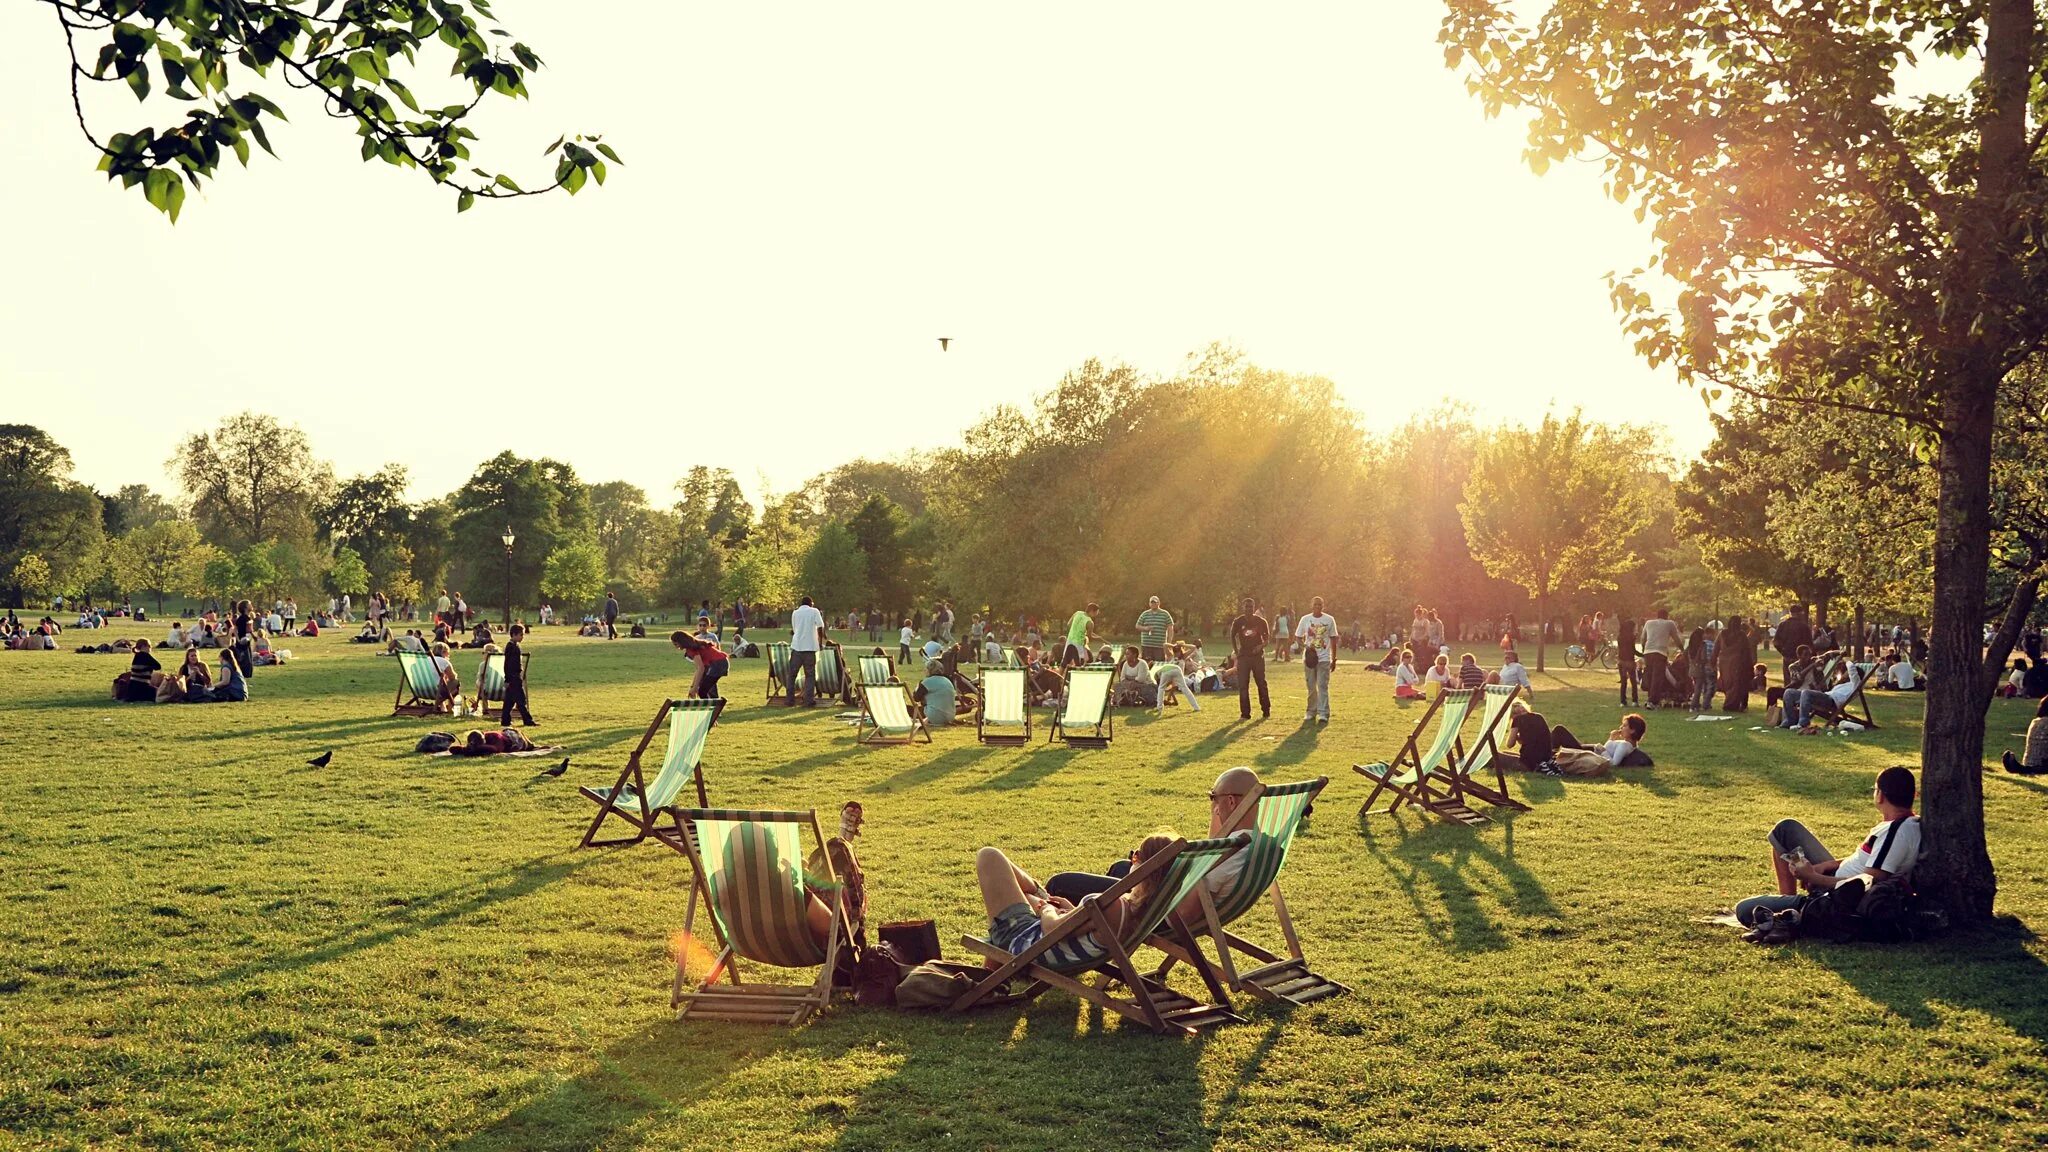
x=1152 y=653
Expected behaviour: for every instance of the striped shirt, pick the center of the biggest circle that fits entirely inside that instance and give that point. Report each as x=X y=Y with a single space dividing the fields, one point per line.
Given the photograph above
x=1471 y=676
x=1152 y=626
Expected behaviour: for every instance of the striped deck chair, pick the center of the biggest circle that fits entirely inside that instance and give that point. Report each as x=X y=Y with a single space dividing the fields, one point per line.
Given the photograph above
x=876 y=671
x=1082 y=943
x=752 y=883
x=832 y=676
x=1013 y=659
x=889 y=716
x=778 y=674
x=417 y=675
x=1425 y=779
x=641 y=803
x=1858 y=707
x=1002 y=716
x=1084 y=717
x=1484 y=752
x=491 y=678
x=1271 y=815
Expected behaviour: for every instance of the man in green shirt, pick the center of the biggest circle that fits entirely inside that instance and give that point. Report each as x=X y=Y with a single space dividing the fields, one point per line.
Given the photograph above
x=1080 y=637
x=1155 y=632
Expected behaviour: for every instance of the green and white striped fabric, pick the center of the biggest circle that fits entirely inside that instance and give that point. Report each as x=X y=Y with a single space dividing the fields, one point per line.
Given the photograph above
x=420 y=674
x=1498 y=697
x=778 y=662
x=689 y=725
x=1087 y=696
x=753 y=869
x=1002 y=698
x=831 y=680
x=1450 y=717
x=1082 y=950
x=874 y=670
x=1013 y=659
x=889 y=709
x=491 y=675
x=1274 y=822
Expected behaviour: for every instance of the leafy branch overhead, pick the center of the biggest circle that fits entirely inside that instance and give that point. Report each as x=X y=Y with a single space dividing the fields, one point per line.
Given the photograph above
x=350 y=53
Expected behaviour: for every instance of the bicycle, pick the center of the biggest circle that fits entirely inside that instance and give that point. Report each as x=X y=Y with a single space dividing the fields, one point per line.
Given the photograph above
x=1605 y=654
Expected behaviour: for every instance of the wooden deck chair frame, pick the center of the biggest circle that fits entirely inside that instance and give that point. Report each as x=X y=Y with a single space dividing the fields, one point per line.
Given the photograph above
x=1863 y=673
x=778 y=674
x=788 y=1004
x=1433 y=788
x=419 y=703
x=1007 y=730
x=1104 y=729
x=1497 y=702
x=484 y=699
x=644 y=817
x=1150 y=1001
x=869 y=729
x=1281 y=979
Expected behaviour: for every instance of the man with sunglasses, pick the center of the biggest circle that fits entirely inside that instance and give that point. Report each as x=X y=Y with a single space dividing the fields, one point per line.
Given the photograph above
x=1224 y=796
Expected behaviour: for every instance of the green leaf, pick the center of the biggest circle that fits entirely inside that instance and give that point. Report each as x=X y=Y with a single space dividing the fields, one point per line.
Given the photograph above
x=504 y=181
x=463 y=202
x=256 y=130
x=404 y=94
x=139 y=81
x=154 y=187
x=241 y=146
x=597 y=170
x=174 y=197
x=557 y=144
x=364 y=65
x=609 y=155
x=575 y=180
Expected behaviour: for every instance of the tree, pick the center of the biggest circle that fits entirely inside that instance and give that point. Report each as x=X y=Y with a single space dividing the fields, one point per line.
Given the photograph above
x=757 y=575
x=42 y=510
x=1725 y=499
x=540 y=500
x=220 y=574
x=1553 y=509
x=32 y=580
x=1841 y=236
x=692 y=562
x=835 y=570
x=134 y=506
x=164 y=557
x=212 y=53
x=620 y=518
x=254 y=571
x=715 y=497
x=252 y=480
x=348 y=574
x=574 y=573
x=877 y=530
x=842 y=491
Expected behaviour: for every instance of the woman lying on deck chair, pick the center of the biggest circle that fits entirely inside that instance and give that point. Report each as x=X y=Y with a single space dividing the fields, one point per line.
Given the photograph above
x=1021 y=911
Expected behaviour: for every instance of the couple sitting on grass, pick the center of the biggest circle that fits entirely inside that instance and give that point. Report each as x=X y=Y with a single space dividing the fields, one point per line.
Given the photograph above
x=1021 y=910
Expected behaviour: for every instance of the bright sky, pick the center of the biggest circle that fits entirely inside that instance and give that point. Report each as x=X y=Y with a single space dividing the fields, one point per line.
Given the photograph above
x=814 y=194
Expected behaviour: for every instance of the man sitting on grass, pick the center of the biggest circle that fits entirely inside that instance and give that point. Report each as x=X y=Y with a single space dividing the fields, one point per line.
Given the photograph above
x=2035 y=761
x=1798 y=857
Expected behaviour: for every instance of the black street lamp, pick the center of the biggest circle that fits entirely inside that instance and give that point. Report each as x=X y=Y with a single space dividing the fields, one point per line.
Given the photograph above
x=507 y=538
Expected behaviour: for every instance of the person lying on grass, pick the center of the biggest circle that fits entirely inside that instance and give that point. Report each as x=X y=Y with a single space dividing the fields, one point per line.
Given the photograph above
x=499 y=740
x=1576 y=759
x=1224 y=796
x=1021 y=911
x=1799 y=859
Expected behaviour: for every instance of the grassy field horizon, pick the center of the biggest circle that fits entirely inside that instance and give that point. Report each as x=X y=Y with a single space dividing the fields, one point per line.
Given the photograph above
x=213 y=945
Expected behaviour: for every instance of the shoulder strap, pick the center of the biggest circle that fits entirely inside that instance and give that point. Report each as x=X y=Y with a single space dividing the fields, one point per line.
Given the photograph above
x=1890 y=835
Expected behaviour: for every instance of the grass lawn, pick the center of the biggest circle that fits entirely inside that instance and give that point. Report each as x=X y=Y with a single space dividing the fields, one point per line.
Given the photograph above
x=208 y=944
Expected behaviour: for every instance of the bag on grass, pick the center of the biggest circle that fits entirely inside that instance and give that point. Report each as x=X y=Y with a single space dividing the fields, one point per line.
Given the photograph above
x=936 y=984
x=434 y=742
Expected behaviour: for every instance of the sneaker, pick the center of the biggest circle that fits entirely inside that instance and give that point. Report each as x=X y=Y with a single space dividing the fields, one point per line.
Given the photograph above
x=1550 y=768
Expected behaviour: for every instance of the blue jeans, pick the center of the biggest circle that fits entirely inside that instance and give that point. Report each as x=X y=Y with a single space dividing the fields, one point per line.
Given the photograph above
x=1319 y=686
x=1703 y=687
x=1799 y=705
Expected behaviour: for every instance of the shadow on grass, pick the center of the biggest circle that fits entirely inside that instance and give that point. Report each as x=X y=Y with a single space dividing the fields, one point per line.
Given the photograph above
x=1033 y=766
x=1991 y=971
x=419 y=914
x=938 y=766
x=1445 y=869
x=1292 y=749
x=1203 y=749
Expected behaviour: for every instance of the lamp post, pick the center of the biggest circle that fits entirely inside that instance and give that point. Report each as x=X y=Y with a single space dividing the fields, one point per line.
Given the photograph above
x=508 y=538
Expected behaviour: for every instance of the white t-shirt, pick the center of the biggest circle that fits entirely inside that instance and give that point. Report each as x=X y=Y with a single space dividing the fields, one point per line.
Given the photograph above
x=1517 y=675
x=803 y=628
x=908 y=635
x=442 y=663
x=1318 y=628
x=1617 y=751
x=1437 y=675
x=1661 y=636
x=1898 y=859
x=1842 y=693
x=992 y=653
x=1902 y=675
x=1403 y=674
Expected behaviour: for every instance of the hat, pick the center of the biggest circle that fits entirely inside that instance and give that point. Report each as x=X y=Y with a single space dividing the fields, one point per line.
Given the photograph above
x=934 y=666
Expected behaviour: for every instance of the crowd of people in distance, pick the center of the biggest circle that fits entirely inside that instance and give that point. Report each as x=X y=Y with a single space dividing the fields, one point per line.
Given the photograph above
x=23 y=637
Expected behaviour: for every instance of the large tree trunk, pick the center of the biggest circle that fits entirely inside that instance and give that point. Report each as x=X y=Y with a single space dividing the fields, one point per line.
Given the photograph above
x=1955 y=866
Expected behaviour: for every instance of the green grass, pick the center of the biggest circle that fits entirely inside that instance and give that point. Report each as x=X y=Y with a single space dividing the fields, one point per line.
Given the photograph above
x=208 y=944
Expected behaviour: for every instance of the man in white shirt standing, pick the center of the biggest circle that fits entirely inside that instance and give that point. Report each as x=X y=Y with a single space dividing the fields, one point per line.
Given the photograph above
x=806 y=636
x=1798 y=857
x=1317 y=632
